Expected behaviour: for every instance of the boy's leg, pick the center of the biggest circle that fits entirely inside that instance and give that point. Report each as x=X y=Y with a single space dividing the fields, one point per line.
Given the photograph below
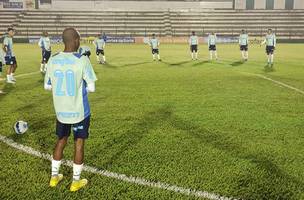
x=215 y=54
x=81 y=132
x=62 y=131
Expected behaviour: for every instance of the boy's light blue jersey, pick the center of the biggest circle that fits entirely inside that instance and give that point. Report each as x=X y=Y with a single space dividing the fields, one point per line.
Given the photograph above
x=45 y=43
x=8 y=42
x=243 y=39
x=69 y=74
x=271 y=40
x=154 y=43
x=99 y=43
x=211 y=40
x=193 y=40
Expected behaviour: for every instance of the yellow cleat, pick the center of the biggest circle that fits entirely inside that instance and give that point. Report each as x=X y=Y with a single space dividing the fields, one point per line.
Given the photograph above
x=77 y=185
x=55 y=180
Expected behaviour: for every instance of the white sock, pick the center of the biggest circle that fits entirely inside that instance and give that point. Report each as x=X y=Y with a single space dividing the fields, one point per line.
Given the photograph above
x=100 y=58
x=55 y=167
x=77 y=171
x=158 y=56
x=192 y=56
x=104 y=59
x=195 y=55
x=243 y=54
x=153 y=56
x=97 y=57
x=41 y=67
x=268 y=58
x=210 y=55
x=246 y=55
x=8 y=77
x=271 y=58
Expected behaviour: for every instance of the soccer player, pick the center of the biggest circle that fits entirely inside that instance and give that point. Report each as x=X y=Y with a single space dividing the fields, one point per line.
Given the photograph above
x=154 y=44
x=85 y=51
x=243 y=42
x=10 y=58
x=100 y=45
x=70 y=76
x=270 y=41
x=193 y=41
x=212 y=45
x=45 y=45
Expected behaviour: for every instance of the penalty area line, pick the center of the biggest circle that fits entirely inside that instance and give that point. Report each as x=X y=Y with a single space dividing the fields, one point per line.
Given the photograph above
x=275 y=81
x=122 y=177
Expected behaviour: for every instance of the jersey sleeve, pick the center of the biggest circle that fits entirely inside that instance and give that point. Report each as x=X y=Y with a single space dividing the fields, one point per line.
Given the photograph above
x=5 y=42
x=88 y=74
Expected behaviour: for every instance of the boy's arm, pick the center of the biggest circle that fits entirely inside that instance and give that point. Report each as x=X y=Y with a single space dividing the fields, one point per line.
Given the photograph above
x=89 y=75
x=5 y=44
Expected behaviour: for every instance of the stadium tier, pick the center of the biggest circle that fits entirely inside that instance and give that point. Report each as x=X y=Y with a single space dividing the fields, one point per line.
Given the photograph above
x=287 y=24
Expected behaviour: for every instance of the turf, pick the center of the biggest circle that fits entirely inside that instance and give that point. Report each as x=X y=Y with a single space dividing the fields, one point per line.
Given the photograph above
x=210 y=126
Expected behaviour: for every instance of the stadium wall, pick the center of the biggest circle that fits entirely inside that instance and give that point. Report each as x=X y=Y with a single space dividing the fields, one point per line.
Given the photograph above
x=139 y=5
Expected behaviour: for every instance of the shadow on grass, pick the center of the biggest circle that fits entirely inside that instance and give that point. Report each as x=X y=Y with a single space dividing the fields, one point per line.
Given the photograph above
x=271 y=183
x=268 y=69
x=200 y=63
x=131 y=137
x=274 y=183
x=177 y=63
x=108 y=65
x=237 y=63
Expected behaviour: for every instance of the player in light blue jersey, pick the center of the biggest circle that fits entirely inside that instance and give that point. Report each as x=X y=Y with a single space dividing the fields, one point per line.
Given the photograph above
x=70 y=76
x=193 y=42
x=45 y=45
x=85 y=51
x=212 y=39
x=100 y=44
x=270 y=41
x=243 y=42
x=10 y=58
x=154 y=44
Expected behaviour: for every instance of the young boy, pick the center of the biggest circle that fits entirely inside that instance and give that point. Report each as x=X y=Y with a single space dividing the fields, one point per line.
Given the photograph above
x=10 y=58
x=212 y=45
x=154 y=44
x=70 y=76
x=100 y=44
x=270 y=41
x=243 y=42
x=45 y=45
x=193 y=42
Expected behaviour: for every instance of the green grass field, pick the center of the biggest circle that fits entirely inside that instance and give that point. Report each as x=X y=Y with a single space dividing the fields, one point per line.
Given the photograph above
x=210 y=126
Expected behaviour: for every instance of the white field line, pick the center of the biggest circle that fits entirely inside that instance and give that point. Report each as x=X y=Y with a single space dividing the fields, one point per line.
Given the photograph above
x=27 y=74
x=276 y=82
x=122 y=177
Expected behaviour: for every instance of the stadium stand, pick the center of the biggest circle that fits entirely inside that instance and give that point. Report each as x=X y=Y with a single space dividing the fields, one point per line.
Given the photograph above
x=287 y=24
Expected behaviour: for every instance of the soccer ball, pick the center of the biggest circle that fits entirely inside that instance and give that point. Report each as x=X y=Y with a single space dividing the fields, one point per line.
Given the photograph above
x=20 y=127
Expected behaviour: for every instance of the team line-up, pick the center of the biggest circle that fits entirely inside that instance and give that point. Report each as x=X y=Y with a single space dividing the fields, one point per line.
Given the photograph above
x=7 y=56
